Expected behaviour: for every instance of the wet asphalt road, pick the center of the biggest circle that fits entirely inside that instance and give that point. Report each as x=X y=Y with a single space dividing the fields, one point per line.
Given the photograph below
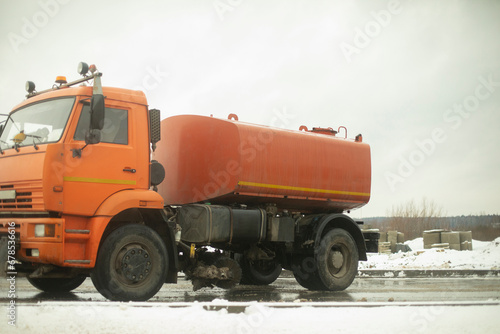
x=285 y=289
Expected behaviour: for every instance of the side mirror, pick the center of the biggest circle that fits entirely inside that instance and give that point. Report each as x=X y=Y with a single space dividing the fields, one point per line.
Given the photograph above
x=97 y=112
x=93 y=136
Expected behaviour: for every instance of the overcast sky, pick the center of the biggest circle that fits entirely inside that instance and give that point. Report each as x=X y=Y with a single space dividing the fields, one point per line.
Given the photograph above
x=419 y=79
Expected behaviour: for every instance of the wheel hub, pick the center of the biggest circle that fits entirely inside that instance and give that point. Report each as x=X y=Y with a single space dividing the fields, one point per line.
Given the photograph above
x=136 y=264
x=337 y=259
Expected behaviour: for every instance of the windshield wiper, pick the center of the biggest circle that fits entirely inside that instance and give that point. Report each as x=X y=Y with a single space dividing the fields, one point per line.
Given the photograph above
x=37 y=137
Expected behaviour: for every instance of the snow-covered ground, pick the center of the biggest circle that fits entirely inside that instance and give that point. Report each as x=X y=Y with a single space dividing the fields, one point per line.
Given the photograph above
x=71 y=317
x=135 y=318
x=483 y=256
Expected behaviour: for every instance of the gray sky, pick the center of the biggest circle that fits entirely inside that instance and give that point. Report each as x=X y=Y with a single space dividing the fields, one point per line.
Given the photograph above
x=419 y=79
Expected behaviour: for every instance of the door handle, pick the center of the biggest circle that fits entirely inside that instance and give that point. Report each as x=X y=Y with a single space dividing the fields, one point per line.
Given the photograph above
x=131 y=170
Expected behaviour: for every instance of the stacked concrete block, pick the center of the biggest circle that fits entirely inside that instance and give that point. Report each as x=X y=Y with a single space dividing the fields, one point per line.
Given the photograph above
x=401 y=238
x=384 y=247
x=392 y=240
x=465 y=240
x=432 y=237
x=448 y=239
x=451 y=238
x=383 y=237
x=392 y=237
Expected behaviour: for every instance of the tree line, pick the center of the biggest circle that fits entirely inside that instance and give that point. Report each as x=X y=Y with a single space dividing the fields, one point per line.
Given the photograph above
x=413 y=218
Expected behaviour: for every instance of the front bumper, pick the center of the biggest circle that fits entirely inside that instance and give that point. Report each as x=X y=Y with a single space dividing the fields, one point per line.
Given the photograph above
x=33 y=244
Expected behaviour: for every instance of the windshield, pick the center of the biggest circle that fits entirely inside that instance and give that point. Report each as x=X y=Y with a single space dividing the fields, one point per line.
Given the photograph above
x=39 y=123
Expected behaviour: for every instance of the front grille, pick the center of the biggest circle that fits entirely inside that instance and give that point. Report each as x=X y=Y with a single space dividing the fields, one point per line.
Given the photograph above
x=29 y=197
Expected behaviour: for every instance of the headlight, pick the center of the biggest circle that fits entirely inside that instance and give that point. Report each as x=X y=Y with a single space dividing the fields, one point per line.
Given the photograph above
x=45 y=230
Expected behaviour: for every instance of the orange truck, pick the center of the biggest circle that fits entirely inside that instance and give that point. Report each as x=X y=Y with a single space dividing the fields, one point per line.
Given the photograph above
x=94 y=183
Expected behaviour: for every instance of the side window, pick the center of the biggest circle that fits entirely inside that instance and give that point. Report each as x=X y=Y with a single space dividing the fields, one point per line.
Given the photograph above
x=115 y=128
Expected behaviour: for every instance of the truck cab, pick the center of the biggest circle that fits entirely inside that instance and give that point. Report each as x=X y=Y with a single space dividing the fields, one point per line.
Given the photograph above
x=75 y=161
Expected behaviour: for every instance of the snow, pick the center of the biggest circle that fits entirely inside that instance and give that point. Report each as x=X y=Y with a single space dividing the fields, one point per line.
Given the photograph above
x=483 y=256
x=111 y=317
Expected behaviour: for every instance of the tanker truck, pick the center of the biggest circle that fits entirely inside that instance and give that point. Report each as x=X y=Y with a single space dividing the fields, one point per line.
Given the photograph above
x=94 y=183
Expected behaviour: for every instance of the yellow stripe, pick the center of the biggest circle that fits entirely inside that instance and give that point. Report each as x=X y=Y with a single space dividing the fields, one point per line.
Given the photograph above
x=325 y=191
x=93 y=180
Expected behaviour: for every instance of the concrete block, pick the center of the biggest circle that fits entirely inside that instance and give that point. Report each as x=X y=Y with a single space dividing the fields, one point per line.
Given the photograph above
x=466 y=245
x=465 y=236
x=401 y=238
x=383 y=237
x=392 y=237
x=431 y=237
x=453 y=238
x=384 y=247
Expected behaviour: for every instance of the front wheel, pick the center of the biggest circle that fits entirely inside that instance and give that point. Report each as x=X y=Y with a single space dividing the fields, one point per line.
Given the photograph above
x=54 y=285
x=132 y=264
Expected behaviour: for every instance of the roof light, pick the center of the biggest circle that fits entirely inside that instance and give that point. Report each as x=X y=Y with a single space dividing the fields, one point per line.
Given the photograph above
x=61 y=80
x=83 y=68
x=92 y=68
x=30 y=86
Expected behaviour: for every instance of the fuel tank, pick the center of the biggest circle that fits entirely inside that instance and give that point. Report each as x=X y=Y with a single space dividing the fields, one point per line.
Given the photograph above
x=228 y=162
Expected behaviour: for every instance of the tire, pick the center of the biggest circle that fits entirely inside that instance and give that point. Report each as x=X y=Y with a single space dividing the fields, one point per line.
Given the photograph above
x=54 y=285
x=132 y=264
x=337 y=260
x=259 y=272
x=305 y=272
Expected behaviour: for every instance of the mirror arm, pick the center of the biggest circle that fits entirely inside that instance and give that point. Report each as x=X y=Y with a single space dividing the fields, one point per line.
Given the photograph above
x=77 y=152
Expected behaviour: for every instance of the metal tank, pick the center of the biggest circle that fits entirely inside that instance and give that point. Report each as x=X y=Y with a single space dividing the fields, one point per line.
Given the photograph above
x=228 y=162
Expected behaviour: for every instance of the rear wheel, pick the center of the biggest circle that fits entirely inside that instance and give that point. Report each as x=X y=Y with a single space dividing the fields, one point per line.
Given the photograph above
x=305 y=272
x=132 y=264
x=57 y=284
x=334 y=266
x=337 y=260
x=259 y=272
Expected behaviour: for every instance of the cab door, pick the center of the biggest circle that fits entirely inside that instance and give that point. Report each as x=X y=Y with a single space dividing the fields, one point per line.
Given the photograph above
x=102 y=169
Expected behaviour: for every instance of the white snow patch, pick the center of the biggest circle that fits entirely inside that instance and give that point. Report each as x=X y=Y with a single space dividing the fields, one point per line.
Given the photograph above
x=53 y=318
x=485 y=256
